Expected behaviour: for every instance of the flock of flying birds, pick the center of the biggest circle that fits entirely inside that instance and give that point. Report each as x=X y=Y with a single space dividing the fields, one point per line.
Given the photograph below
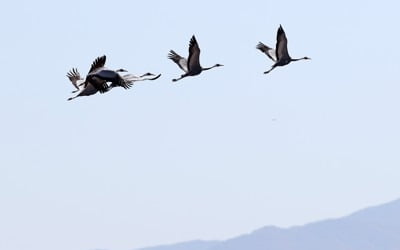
x=101 y=79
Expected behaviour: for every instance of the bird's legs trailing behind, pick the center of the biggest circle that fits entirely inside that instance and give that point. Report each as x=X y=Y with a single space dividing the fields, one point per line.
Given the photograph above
x=273 y=67
x=180 y=78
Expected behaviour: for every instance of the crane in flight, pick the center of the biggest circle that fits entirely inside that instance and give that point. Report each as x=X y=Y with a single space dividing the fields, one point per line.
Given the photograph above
x=280 y=55
x=190 y=66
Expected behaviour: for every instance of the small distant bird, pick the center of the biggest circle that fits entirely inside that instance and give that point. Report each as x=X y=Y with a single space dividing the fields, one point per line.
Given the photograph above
x=79 y=84
x=191 y=66
x=99 y=75
x=280 y=55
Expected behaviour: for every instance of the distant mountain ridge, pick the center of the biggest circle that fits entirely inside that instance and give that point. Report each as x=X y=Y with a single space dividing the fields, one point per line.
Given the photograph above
x=374 y=228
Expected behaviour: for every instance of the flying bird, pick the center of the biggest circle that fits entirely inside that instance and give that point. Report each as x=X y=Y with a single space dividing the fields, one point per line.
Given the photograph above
x=280 y=55
x=190 y=66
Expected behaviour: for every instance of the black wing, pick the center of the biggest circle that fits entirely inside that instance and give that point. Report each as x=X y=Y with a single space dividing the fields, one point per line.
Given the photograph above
x=194 y=54
x=281 y=44
x=99 y=62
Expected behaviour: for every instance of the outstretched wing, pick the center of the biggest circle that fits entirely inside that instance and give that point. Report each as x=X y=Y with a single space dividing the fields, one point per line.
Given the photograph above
x=281 y=44
x=194 y=54
x=74 y=76
x=99 y=62
x=181 y=61
x=267 y=50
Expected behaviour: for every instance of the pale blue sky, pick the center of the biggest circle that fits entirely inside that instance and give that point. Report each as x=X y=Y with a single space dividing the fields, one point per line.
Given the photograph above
x=211 y=157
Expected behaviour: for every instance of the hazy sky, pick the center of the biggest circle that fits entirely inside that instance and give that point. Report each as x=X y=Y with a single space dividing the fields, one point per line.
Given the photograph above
x=212 y=156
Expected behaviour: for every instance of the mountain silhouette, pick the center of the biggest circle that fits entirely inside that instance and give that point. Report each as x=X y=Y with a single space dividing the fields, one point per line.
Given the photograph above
x=374 y=228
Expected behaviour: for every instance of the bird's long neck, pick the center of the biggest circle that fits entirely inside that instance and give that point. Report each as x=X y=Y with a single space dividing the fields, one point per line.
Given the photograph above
x=298 y=59
x=210 y=67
